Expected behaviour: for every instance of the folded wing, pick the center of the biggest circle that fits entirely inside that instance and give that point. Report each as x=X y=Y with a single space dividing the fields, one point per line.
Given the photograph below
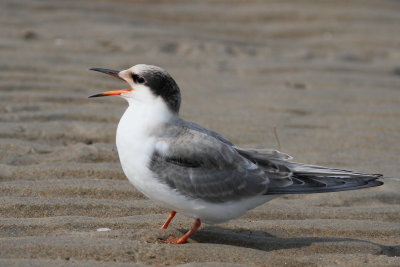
x=202 y=165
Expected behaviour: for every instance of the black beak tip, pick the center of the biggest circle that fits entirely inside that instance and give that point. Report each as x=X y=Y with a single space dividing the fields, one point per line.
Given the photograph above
x=107 y=71
x=95 y=69
x=98 y=95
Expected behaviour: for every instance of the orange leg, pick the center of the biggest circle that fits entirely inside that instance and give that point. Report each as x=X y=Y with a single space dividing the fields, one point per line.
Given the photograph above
x=170 y=217
x=186 y=236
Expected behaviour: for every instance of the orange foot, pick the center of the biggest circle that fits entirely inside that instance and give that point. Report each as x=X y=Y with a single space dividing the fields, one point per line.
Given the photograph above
x=174 y=240
x=185 y=237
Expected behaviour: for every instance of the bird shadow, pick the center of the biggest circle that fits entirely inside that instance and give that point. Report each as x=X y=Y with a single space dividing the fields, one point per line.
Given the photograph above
x=265 y=241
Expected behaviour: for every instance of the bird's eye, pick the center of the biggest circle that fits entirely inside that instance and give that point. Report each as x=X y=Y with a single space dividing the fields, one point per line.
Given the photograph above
x=138 y=79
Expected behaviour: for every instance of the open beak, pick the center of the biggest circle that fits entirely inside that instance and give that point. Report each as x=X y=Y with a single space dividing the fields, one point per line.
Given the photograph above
x=113 y=73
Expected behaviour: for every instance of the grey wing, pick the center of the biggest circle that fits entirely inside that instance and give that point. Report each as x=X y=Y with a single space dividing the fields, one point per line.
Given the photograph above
x=271 y=162
x=197 y=128
x=200 y=166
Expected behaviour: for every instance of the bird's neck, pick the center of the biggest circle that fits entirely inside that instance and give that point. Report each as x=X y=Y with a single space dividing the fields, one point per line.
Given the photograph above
x=145 y=117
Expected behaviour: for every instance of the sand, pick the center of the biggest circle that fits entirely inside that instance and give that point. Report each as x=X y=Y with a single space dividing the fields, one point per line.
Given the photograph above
x=324 y=74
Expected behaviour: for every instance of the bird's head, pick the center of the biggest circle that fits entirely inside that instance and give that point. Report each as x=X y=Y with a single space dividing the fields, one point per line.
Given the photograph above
x=146 y=81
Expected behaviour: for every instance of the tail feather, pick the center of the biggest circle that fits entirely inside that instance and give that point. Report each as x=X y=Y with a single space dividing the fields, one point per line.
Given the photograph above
x=309 y=185
x=309 y=179
x=287 y=177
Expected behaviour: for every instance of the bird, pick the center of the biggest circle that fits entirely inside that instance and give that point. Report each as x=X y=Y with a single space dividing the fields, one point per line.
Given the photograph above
x=197 y=172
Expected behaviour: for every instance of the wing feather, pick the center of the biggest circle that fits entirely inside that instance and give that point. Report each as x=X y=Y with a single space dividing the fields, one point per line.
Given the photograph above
x=202 y=166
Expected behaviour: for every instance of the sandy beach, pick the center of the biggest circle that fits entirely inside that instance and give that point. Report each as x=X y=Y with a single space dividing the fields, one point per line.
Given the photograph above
x=323 y=75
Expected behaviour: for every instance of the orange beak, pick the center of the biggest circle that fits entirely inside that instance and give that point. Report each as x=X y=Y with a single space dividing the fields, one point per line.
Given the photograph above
x=108 y=93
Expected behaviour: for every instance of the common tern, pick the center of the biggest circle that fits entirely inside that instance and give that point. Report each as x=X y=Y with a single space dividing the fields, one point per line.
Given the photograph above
x=197 y=172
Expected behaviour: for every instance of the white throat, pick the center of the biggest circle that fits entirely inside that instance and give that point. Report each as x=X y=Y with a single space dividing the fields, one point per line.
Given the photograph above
x=145 y=112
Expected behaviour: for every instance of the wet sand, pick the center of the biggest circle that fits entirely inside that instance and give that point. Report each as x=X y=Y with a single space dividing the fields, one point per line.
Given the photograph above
x=325 y=74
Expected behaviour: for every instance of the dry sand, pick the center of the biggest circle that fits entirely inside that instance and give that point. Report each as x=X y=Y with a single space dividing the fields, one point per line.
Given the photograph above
x=325 y=73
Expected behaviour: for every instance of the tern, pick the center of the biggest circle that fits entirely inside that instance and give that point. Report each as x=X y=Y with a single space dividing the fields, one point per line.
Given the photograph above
x=197 y=172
